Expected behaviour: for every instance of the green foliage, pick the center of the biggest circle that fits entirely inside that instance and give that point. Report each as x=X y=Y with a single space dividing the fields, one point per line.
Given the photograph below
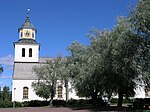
x=84 y=71
x=6 y=104
x=36 y=103
x=59 y=103
x=5 y=94
x=9 y=104
x=47 y=75
x=140 y=19
x=115 y=100
x=42 y=90
x=114 y=60
x=106 y=65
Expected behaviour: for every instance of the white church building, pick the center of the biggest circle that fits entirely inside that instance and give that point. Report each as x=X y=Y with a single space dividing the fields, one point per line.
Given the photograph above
x=25 y=58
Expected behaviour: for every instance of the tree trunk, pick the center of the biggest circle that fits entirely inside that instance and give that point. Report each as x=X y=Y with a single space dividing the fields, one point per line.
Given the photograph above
x=51 y=102
x=120 y=99
x=109 y=97
x=66 y=85
x=52 y=96
x=94 y=99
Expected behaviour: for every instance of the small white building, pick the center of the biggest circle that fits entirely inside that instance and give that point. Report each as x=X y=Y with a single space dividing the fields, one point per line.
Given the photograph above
x=26 y=57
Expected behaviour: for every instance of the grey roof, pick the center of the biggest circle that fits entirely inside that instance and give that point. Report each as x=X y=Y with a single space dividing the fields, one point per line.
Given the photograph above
x=24 y=71
x=44 y=60
x=27 y=41
x=27 y=25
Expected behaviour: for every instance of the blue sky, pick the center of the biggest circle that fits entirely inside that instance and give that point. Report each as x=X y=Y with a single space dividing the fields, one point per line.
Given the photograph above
x=58 y=22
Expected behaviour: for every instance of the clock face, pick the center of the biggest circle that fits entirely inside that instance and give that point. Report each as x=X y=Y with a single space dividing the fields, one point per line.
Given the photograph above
x=27 y=33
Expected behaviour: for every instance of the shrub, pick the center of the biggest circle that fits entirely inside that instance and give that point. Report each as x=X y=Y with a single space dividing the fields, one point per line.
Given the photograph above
x=72 y=102
x=6 y=104
x=18 y=104
x=25 y=104
x=115 y=100
x=59 y=102
x=35 y=103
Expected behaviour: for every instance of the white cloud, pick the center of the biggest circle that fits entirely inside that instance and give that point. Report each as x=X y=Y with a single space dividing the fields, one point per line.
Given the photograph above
x=1 y=83
x=7 y=60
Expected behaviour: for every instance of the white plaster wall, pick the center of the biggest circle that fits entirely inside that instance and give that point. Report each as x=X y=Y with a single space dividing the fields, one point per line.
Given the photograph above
x=18 y=53
x=71 y=95
x=140 y=92
x=17 y=94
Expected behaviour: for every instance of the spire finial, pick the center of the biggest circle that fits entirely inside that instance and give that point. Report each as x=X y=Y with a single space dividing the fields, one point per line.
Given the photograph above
x=28 y=10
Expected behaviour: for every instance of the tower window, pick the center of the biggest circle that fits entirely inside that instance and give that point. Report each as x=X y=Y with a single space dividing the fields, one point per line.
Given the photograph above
x=23 y=52
x=59 y=92
x=32 y=35
x=25 y=92
x=30 y=52
x=21 y=34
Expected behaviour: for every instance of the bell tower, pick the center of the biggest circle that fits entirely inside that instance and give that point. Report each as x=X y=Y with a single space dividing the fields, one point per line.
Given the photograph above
x=26 y=48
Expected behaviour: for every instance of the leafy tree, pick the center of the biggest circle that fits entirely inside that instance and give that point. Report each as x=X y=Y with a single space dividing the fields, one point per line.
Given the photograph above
x=116 y=57
x=5 y=94
x=47 y=75
x=124 y=67
x=140 y=20
x=65 y=75
x=84 y=71
x=107 y=65
x=42 y=90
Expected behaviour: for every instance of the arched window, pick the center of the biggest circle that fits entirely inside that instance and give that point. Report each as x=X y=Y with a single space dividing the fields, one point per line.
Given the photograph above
x=25 y=92
x=30 y=52
x=23 y=52
x=59 y=92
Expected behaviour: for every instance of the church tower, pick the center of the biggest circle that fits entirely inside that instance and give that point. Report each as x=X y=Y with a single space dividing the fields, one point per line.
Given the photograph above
x=27 y=49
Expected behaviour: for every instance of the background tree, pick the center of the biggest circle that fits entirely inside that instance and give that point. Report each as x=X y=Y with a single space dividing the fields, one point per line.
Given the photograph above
x=47 y=76
x=5 y=94
x=1 y=69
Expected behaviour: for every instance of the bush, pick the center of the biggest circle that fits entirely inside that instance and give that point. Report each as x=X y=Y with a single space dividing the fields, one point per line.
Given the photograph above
x=18 y=104
x=115 y=100
x=25 y=104
x=82 y=102
x=72 y=102
x=35 y=103
x=6 y=104
x=59 y=102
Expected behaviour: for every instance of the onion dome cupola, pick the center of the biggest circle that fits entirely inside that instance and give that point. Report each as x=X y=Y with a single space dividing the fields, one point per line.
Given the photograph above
x=27 y=30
